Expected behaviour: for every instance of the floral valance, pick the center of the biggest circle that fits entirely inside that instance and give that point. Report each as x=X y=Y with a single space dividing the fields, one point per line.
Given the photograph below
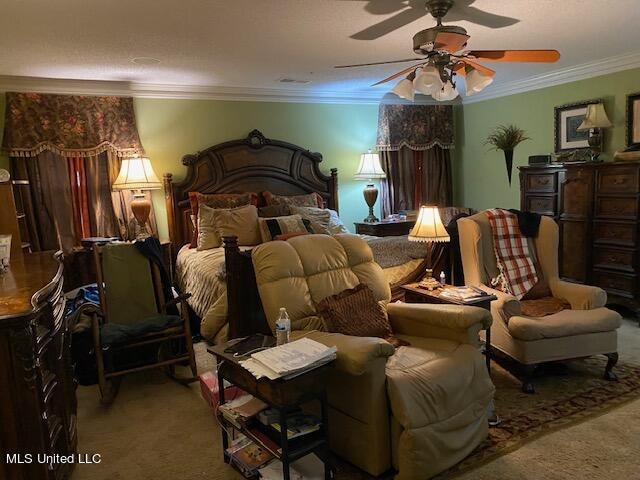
x=418 y=127
x=69 y=125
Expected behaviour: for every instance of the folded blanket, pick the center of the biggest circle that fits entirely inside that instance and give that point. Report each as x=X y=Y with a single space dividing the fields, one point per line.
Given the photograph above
x=393 y=251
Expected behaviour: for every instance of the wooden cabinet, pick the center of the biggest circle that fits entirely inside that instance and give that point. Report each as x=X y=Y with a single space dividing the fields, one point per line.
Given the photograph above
x=37 y=403
x=385 y=229
x=597 y=206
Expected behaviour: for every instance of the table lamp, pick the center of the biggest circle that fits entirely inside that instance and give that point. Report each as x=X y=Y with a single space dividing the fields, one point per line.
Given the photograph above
x=370 y=169
x=595 y=120
x=429 y=228
x=136 y=174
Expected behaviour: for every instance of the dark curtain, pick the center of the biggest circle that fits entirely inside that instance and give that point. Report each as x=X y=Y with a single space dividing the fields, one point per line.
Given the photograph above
x=414 y=178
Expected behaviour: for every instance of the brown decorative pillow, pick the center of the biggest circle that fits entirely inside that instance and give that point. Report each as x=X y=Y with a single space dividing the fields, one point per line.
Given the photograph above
x=271 y=211
x=309 y=200
x=541 y=307
x=541 y=289
x=356 y=312
x=217 y=200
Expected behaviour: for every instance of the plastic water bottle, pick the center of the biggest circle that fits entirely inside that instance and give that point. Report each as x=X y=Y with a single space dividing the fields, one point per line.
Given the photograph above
x=443 y=278
x=283 y=327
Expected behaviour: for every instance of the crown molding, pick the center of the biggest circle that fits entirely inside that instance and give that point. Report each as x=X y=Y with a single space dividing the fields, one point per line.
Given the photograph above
x=583 y=71
x=149 y=90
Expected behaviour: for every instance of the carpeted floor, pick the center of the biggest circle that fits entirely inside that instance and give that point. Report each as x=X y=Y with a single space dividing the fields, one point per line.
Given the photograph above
x=158 y=429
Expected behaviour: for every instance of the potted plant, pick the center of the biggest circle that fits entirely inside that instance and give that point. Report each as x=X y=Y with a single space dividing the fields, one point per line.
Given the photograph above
x=506 y=138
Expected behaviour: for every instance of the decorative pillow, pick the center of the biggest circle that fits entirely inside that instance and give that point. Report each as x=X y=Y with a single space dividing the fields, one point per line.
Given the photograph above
x=309 y=200
x=356 y=312
x=271 y=211
x=319 y=217
x=335 y=223
x=214 y=223
x=217 y=200
x=270 y=228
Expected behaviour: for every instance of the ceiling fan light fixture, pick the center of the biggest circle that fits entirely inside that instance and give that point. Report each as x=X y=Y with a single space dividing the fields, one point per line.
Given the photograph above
x=477 y=81
x=446 y=93
x=404 y=89
x=427 y=80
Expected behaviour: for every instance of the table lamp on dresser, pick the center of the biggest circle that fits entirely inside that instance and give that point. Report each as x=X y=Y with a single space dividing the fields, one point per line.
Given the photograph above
x=430 y=229
x=370 y=169
x=136 y=174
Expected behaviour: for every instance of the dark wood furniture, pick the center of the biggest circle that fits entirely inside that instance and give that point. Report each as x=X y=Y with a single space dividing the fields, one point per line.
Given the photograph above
x=415 y=294
x=285 y=396
x=252 y=164
x=37 y=399
x=597 y=206
x=107 y=373
x=384 y=229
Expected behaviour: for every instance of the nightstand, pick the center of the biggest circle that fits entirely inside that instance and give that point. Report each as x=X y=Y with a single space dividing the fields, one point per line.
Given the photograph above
x=384 y=229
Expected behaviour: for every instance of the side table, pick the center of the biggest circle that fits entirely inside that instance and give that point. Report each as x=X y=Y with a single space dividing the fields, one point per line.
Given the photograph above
x=285 y=396
x=415 y=294
x=384 y=229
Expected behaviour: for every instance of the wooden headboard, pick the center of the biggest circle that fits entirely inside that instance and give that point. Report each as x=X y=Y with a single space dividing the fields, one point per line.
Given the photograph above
x=252 y=164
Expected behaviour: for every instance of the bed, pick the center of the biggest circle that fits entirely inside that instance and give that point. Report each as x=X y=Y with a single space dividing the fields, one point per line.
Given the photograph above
x=224 y=296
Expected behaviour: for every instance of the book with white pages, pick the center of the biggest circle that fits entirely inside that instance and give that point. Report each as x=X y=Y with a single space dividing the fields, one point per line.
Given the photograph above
x=289 y=360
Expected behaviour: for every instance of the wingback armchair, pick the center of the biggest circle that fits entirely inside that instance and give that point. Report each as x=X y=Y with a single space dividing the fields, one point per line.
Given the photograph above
x=421 y=408
x=587 y=328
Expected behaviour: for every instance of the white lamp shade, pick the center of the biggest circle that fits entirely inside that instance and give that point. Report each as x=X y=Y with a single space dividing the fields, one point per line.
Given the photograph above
x=446 y=93
x=429 y=227
x=369 y=167
x=137 y=174
x=404 y=89
x=477 y=81
x=596 y=117
x=427 y=80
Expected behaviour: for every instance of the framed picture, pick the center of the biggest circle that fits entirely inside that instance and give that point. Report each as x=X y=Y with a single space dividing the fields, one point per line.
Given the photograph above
x=566 y=122
x=633 y=120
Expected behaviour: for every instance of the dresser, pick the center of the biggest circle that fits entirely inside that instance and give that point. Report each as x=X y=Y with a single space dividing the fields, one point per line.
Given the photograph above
x=37 y=400
x=597 y=206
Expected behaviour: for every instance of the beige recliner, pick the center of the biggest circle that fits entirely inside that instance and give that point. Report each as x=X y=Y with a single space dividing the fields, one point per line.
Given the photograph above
x=588 y=328
x=421 y=408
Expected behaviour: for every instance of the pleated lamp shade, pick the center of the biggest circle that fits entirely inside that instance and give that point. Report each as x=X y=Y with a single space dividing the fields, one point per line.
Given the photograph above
x=137 y=174
x=369 y=167
x=429 y=227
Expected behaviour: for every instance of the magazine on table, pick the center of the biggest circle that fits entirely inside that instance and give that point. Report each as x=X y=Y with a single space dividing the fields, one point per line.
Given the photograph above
x=465 y=294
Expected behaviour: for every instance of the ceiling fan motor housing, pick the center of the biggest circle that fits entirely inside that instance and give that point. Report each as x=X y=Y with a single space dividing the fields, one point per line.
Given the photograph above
x=438 y=8
x=424 y=41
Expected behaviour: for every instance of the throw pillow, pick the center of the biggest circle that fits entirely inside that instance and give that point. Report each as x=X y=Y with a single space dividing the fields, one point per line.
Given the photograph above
x=319 y=217
x=271 y=211
x=270 y=228
x=335 y=223
x=356 y=312
x=308 y=200
x=214 y=223
x=217 y=200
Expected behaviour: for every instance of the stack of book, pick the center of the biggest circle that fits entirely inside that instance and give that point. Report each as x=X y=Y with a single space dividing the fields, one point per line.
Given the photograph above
x=298 y=425
x=239 y=411
x=465 y=294
x=248 y=457
x=289 y=360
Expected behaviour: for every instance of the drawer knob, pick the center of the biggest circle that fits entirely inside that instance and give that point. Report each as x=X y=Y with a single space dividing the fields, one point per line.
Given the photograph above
x=619 y=181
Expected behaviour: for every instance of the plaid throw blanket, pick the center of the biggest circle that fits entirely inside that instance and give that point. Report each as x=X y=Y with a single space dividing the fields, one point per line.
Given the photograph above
x=517 y=271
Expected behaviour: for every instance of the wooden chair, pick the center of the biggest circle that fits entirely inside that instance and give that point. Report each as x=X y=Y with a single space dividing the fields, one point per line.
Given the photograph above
x=134 y=314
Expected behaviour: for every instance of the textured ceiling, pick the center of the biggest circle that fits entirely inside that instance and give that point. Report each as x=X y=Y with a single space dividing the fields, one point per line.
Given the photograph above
x=254 y=43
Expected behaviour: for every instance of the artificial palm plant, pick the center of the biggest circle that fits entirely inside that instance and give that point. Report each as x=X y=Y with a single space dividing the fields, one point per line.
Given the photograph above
x=506 y=138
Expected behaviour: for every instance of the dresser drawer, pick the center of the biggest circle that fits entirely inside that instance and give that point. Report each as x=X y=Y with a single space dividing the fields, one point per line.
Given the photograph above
x=623 y=208
x=544 y=205
x=541 y=182
x=618 y=179
x=611 y=258
x=614 y=233
x=616 y=283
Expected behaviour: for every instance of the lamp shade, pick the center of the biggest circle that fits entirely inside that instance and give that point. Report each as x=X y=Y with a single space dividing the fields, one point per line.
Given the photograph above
x=476 y=81
x=427 y=80
x=137 y=174
x=446 y=93
x=596 y=117
x=404 y=89
x=369 y=167
x=429 y=227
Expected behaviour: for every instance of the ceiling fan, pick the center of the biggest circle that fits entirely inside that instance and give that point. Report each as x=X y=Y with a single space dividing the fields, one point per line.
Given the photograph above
x=444 y=59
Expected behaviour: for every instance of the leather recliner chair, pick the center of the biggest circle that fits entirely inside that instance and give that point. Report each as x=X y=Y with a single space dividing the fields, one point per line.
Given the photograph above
x=588 y=328
x=421 y=408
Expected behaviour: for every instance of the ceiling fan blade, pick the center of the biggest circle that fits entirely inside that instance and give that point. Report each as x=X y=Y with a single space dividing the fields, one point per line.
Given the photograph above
x=399 y=74
x=378 y=63
x=451 y=42
x=459 y=69
x=481 y=68
x=543 y=56
x=462 y=10
x=390 y=24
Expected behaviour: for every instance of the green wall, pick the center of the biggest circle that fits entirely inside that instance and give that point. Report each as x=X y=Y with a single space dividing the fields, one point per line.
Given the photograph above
x=481 y=178
x=170 y=129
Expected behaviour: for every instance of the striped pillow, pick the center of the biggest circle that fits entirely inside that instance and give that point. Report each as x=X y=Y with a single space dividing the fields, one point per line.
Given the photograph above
x=270 y=228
